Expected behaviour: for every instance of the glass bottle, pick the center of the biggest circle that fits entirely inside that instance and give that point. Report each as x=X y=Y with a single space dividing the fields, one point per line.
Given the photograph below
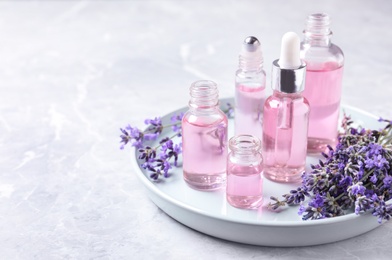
x=324 y=71
x=244 y=168
x=249 y=89
x=286 y=114
x=204 y=138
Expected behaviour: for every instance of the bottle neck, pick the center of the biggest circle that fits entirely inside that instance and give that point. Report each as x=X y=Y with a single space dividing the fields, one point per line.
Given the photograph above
x=317 y=31
x=245 y=146
x=281 y=94
x=251 y=62
x=204 y=96
x=317 y=41
x=288 y=80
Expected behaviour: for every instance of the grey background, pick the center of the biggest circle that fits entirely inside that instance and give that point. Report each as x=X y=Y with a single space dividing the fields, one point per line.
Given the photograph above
x=73 y=72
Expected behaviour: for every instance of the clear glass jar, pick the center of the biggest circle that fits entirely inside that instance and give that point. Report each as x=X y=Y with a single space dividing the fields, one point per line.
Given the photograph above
x=324 y=72
x=204 y=138
x=244 y=172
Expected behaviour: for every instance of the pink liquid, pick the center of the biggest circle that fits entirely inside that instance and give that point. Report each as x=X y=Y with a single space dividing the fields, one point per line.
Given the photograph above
x=244 y=186
x=204 y=142
x=323 y=91
x=285 y=137
x=248 y=110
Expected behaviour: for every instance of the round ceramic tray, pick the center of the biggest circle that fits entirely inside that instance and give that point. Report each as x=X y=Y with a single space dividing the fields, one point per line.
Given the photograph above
x=209 y=213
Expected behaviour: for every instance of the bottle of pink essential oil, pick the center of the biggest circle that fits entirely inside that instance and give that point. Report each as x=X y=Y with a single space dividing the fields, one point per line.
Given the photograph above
x=249 y=89
x=324 y=70
x=204 y=138
x=286 y=115
x=244 y=169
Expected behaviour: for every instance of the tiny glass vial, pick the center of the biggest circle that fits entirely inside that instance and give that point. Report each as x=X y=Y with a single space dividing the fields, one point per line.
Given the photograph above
x=244 y=169
x=204 y=138
x=324 y=71
x=249 y=89
x=286 y=115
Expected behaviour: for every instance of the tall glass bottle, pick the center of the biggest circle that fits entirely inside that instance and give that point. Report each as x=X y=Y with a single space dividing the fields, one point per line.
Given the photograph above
x=249 y=89
x=204 y=138
x=324 y=70
x=244 y=169
x=286 y=114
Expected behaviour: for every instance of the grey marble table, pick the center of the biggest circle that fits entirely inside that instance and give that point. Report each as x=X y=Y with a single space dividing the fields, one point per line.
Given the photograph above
x=72 y=73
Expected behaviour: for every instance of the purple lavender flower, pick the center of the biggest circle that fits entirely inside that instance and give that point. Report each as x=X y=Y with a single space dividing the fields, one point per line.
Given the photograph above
x=373 y=149
x=166 y=167
x=381 y=162
x=356 y=173
x=346 y=181
x=156 y=121
x=381 y=210
x=275 y=205
x=341 y=166
x=177 y=149
x=155 y=175
x=220 y=133
x=296 y=196
x=155 y=125
x=167 y=150
x=317 y=201
x=147 y=153
x=229 y=111
x=318 y=208
x=166 y=144
x=176 y=129
x=149 y=137
x=132 y=135
x=387 y=182
x=177 y=118
x=373 y=178
x=301 y=209
x=176 y=123
x=357 y=189
x=148 y=164
x=332 y=206
x=160 y=165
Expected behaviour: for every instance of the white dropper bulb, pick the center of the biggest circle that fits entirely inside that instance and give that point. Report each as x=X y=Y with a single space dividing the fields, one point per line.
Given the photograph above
x=289 y=52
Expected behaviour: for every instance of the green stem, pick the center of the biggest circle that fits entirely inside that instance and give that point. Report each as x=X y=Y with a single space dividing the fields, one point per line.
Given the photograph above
x=178 y=123
x=367 y=175
x=387 y=137
x=148 y=130
x=171 y=137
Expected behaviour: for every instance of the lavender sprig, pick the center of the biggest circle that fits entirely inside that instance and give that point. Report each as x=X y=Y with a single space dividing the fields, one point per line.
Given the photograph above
x=157 y=160
x=356 y=174
x=136 y=137
x=159 y=164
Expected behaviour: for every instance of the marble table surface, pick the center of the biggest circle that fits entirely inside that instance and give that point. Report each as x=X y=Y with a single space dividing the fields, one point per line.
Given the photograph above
x=73 y=72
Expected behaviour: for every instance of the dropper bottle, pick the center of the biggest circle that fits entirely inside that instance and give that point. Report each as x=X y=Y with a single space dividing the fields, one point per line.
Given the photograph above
x=249 y=89
x=286 y=116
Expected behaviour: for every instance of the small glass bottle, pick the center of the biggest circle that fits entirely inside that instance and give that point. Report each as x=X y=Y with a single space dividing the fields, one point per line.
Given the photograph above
x=204 y=138
x=324 y=71
x=249 y=89
x=244 y=169
x=286 y=114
